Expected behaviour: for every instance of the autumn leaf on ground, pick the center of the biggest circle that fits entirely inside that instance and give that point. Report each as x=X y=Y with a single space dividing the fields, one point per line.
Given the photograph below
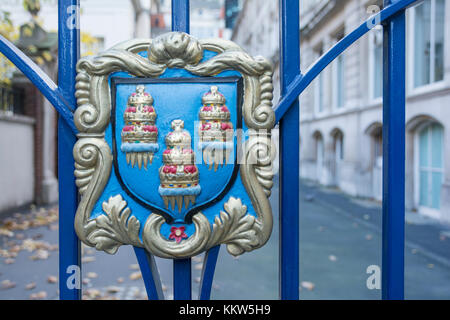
x=307 y=285
x=40 y=255
x=136 y=275
x=52 y=279
x=30 y=286
x=38 y=295
x=87 y=259
x=112 y=289
x=7 y=284
x=332 y=258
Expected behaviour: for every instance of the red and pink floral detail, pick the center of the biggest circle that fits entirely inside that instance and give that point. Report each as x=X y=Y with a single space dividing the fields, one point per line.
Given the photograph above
x=178 y=234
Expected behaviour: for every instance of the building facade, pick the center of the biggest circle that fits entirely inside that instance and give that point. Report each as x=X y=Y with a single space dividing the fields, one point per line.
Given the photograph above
x=341 y=111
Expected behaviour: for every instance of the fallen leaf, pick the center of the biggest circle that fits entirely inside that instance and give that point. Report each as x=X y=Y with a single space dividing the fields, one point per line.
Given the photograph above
x=92 y=275
x=52 y=279
x=30 y=286
x=92 y=293
x=369 y=237
x=6 y=232
x=112 y=289
x=38 y=295
x=308 y=285
x=136 y=275
x=198 y=266
x=198 y=258
x=7 y=284
x=120 y=280
x=332 y=258
x=40 y=255
x=9 y=261
x=134 y=267
x=87 y=259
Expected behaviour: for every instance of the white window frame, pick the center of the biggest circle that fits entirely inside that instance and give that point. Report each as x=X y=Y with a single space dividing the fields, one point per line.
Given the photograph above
x=431 y=212
x=371 y=81
x=319 y=86
x=433 y=85
x=335 y=78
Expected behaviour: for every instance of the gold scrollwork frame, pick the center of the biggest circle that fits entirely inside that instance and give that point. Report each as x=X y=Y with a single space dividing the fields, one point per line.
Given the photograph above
x=240 y=231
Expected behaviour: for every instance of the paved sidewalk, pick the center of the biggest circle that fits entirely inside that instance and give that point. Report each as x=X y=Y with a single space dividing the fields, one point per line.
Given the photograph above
x=340 y=237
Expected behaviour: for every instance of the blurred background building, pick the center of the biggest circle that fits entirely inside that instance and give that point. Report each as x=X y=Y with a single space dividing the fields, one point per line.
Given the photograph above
x=341 y=111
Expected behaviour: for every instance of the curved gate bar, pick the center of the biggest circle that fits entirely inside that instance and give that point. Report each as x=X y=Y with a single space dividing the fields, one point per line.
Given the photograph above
x=301 y=82
x=209 y=265
x=150 y=274
x=39 y=78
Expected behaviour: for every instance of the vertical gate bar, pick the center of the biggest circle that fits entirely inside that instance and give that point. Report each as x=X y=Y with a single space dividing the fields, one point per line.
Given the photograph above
x=393 y=157
x=180 y=15
x=182 y=278
x=69 y=245
x=209 y=265
x=289 y=153
x=150 y=274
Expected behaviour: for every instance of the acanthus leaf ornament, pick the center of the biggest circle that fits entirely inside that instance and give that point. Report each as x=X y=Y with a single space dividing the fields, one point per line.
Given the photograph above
x=122 y=205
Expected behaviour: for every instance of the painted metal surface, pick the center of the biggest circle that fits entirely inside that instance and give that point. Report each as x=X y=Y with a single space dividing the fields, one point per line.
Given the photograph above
x=69 y=245
x=182 y=268
x=209 y=266
x=393 y=259
x=150 y=274
x=289 y=154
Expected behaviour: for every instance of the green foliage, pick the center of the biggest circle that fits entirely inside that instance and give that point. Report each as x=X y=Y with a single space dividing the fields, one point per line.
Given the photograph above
x=8 y=31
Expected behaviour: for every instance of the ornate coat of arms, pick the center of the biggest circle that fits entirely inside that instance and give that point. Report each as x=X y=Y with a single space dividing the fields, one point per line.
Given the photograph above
x=174 y=150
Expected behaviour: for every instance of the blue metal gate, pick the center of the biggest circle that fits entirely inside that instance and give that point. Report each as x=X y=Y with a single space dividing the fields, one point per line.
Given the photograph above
x=293 y=83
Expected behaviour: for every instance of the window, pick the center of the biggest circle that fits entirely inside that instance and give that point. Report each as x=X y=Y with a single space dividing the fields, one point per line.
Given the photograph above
x=319 y=96
x=376 y=63
x=320 y=155
x=428 y=24
x=431 y=165
x=12 y=100
x=339 y=76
